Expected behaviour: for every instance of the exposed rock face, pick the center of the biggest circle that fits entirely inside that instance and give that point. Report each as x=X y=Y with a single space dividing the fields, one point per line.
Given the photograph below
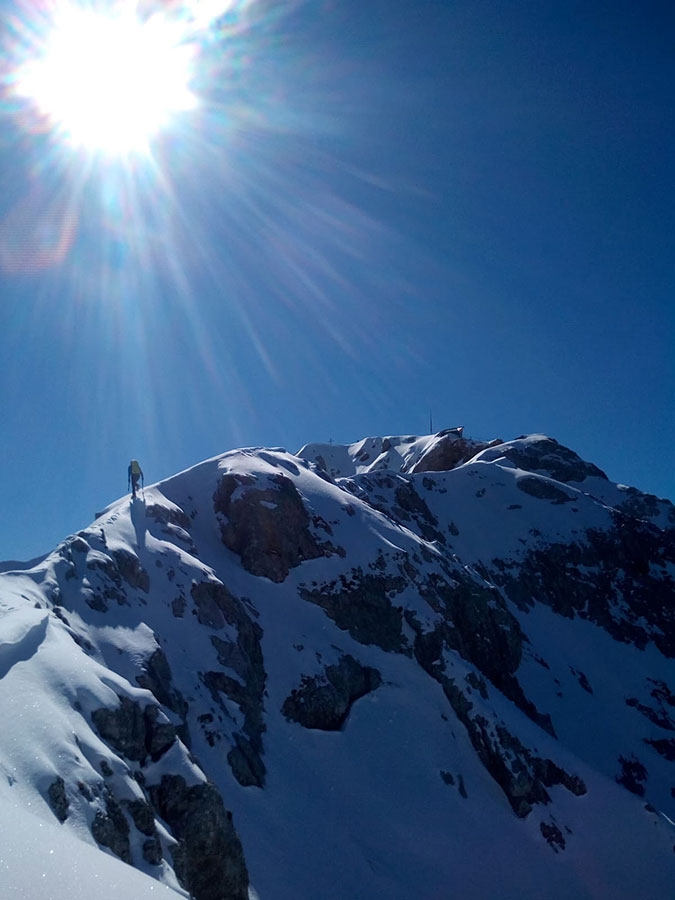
x=143 y=817
x=174 y=522
x=269 y=528
x=476 y=623
x=324 y=701
x=521 y=774
x=410 y=507
x=361 y=605
x=543 y=489
x=448 y=452
x=157 y=678
x=109 y=574
x=547 y=457
x=218 y=608
x=646 y=506
x=136 y=732
x=396 y=496
x=111 y=829
x=131 y=570
x=617 y=578
x=208 y=860
x=58 y=800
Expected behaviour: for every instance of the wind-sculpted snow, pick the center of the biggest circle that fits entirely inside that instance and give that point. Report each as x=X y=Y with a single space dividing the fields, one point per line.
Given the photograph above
x=363 y=671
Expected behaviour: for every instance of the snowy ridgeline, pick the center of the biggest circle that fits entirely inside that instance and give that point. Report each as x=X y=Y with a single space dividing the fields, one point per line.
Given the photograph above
x=360 y=671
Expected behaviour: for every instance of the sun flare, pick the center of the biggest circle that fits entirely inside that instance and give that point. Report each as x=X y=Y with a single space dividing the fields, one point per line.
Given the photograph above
x=109 y=81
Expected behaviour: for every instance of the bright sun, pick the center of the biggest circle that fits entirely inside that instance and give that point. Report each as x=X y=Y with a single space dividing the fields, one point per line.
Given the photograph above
x=108 y=81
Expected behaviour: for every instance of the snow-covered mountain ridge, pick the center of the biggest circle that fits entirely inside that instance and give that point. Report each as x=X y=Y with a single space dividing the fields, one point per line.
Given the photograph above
x=410 y=666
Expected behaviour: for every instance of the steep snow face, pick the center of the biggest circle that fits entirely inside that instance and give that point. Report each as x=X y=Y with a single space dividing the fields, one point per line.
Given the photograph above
x=360 y=671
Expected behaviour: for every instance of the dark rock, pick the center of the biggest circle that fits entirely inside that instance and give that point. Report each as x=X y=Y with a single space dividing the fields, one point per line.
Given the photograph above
x=647 y=506
x=131 y=570
x=133 y=731
x=543 y=489
x=324 y=701
x=449 y=452
x=152 y=850
x=212 y=602
x=269 y=528
x=157 y=678
x=143 y=816
x=361 y=606
x=56 y=794
x=409 y=506
x=553 y=836
x=665 y=747
x=245 y=760
x=583 y=680
x=243 y=656
x=168 y=516
x=609 y=577
x=461 y=787
x=551 y=458
x=111 y=829
x=160 y=734
x=522 y=775
x=85 y=791
x=478 y=625
x=633 y=775
x=123 y=728
x=208 y=860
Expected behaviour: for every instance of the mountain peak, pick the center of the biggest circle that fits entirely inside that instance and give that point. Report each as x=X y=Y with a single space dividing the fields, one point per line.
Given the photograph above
x=274 y=663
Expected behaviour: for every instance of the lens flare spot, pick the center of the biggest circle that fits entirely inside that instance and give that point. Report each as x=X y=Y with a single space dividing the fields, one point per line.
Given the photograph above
x=36 y=234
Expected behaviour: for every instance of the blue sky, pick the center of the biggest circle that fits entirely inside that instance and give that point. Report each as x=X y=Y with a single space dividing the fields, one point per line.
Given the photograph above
x=377 y=210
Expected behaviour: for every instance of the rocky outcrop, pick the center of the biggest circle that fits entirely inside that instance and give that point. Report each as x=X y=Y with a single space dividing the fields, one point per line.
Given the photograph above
x=208 y=858
x=361 y=604
x=58 y=800
x=522 y=775
x=268 y=527
x=134 y=731
x=449 y=451
x=475 y=622
x=106 y=575
x=396 y=497
x=131 y=570
x=646 y=506
x=543 y=489
x=156 y=677
x=618 y=578
x=174 y=523
x=143 y=817
x=547 y=457
x=111 y=829
x=241 y=679
x=324 y=701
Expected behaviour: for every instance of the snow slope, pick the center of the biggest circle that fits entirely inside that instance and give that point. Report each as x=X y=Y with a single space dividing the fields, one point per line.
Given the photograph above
x=402 y=679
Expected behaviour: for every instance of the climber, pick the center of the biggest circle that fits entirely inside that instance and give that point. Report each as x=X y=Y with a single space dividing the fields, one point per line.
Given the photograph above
x=135 y=472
